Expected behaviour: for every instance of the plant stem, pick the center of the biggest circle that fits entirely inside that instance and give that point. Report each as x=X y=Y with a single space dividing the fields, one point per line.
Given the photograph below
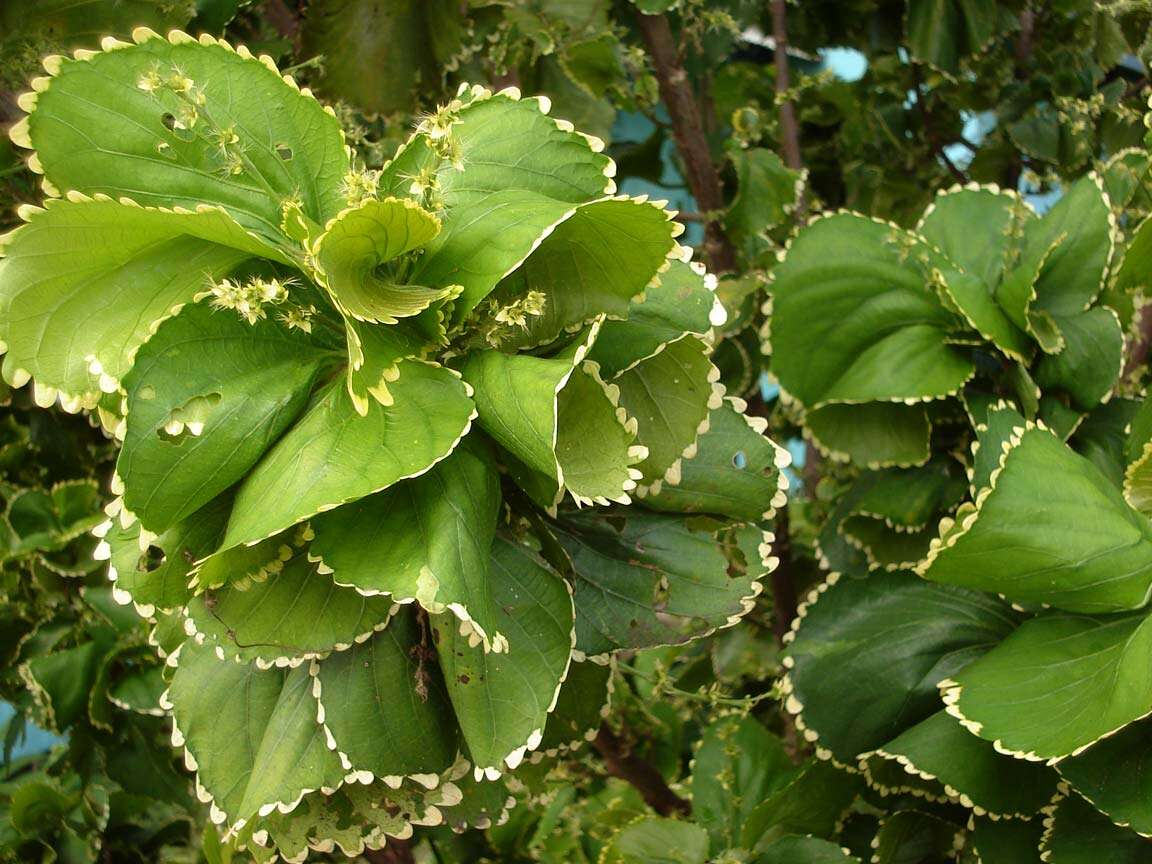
x=934 y=142
x=688 y=131
x=789 y=127
x=622 y=763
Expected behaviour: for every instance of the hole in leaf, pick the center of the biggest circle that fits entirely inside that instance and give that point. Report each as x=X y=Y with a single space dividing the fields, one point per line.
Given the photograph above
x=188 y=419
x=169 y=120
x=284 y=152
x=740 y=460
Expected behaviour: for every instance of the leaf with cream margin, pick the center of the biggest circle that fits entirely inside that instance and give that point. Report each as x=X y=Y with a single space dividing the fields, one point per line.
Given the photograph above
x=945 y=33
x=1057 y=685
x=643 y=580
x=332 y=455
x=502 y=701
x=252 y=734
x=814 y=800
x=912 y=835
x=84 y=282
x=208 y=394
x=1088 y=366
x=975 y=228
x=384 y=707
x=427 y=539
x=1076 y=833
x=363 y=239
x=657 y=840
x=1074 y=241
x=669 y=418
x=293 y=615
x=970 y=768
x=876 y=434
x=163 y=584
x=1115 y=774
x=738 y=764
x=1006 y=841
x=798 y=849
x=1049 y=529
x=184 y=123
x=678 y=302
x=867 y=654
x=882 y=334
x=595 y=262
x=736 y=471
x=977 y=231
x=992 y=436
x=558 y=421
x=507 y=198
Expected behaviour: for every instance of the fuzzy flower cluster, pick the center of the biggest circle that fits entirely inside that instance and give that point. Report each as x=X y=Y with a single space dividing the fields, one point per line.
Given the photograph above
x=250 y=299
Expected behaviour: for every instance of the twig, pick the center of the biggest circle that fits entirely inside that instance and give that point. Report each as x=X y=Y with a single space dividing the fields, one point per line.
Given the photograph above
x=1139 y=350
x=1023 y=60
x=789 y=128
x=934 y=141
x=688 y=131
x=622 y=763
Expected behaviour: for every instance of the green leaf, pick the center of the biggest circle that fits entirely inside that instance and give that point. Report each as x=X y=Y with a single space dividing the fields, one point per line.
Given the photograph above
x=1093 y=355
x=643 y=580
x=252 y=734
x=677 y=302
x=1007 y=841
x=814 y=801
x=427 y=539
x=85 y=282
x=766 y=191
x=868 y=653
x=669 y=418
x=502 y=701
x=970 y=769
x=1074 y=242
x=975 y=228
x=876 y=434
x=207 y=395
x=738 y=764
x=186 y=123
x=655 y=840
x=1050 y=528
x=408 y=49
x=333 y=455
x=881 y=335
x=794 y=849
x=361 y=240
x=296 y=614
x=60 y=682
x=598 y=260
x=908 y=498
x=578 y=713
x=162 y=584
x=736 y=471
x=910 y=837
x=1076 y=833
x=885 y=546
x=511 y=197
x=386 y=712
x=994 y=433
x=1057 y=685
x=946 y=32
x=558 y=421
x=1114 y=776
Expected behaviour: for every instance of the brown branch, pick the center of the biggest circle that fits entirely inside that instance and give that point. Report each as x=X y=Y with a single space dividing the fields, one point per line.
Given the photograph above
x=1139 y=349
x=688 y=131
x=789 y=128
x=1023 y=61
x=623 y=763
